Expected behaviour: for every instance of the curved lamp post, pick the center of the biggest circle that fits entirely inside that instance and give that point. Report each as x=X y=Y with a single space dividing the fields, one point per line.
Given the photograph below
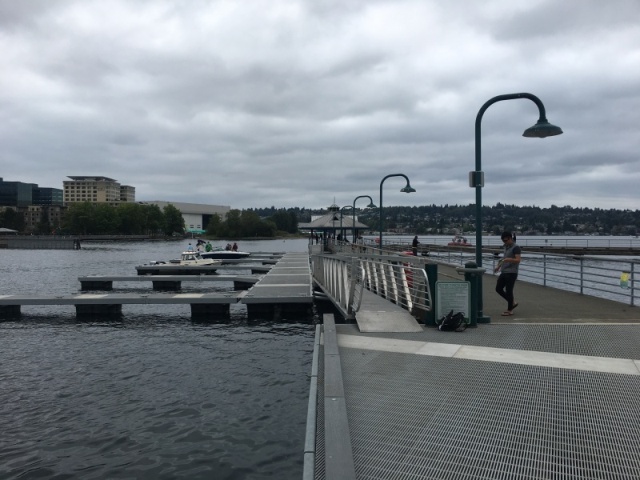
x=541 y=129
x=346 y=206
x=371 y=205
x=406 y=189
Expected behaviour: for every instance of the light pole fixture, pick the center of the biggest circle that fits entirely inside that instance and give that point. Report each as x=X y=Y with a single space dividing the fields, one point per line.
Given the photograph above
x=371 y=205
x=541 y=129
x=346 y=206
x=406 y=189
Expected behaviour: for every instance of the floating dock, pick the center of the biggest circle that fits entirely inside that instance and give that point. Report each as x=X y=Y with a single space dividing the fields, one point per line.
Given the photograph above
x=165 y=282
x=283 y=293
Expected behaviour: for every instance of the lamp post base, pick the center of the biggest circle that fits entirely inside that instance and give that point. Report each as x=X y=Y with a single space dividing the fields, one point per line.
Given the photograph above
x=484 y=319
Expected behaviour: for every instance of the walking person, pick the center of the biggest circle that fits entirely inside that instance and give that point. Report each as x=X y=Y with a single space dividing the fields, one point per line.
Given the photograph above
x=508 y=268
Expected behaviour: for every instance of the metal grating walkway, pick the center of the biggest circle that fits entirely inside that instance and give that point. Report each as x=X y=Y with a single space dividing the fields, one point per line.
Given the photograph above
x=600 y=340
x=416 y=416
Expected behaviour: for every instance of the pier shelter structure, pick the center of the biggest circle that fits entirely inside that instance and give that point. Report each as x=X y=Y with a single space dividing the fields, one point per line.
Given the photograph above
x=336 y=224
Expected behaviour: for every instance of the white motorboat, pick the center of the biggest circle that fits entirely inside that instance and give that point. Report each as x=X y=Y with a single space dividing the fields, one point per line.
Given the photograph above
x=191 y=259
x=189 y=263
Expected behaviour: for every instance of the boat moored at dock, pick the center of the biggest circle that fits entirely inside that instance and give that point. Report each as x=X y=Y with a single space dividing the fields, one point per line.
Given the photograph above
x=189 y=263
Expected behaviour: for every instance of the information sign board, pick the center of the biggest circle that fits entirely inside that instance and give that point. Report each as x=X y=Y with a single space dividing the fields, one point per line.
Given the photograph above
x=453 y=296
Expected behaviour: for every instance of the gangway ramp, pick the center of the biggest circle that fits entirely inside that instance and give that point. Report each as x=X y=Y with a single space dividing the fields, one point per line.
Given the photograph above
x=377 y=314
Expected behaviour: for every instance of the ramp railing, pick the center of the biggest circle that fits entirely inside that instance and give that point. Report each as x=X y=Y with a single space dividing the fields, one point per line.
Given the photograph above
x=395 y=278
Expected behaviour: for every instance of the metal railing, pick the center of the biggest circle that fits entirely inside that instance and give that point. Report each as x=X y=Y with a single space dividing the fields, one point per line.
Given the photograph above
x=603 y=277
x=395 y=278
x=531 y=241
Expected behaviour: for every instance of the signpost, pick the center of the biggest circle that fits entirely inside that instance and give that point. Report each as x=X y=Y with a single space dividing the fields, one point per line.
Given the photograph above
x=453 y=296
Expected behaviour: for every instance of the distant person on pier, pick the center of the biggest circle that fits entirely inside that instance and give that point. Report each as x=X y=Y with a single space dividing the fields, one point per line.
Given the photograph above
x=508 y=268
x=414 y=246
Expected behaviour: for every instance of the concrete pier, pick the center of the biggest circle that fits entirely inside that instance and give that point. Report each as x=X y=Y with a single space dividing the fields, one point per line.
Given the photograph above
x=550 y=392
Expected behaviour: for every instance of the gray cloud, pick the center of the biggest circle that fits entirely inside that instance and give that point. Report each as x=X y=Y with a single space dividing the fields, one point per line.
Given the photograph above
x=293 y=103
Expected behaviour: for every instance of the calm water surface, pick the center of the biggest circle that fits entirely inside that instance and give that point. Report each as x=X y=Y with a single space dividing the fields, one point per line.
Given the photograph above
x=152 y=394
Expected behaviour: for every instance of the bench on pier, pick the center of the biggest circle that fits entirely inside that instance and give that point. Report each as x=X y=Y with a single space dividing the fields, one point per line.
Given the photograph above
x=165 y=282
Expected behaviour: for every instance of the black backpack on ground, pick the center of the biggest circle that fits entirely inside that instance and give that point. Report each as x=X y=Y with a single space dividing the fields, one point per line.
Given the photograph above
x=452 y=322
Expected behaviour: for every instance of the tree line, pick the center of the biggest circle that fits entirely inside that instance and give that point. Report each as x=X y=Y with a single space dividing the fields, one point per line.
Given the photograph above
x=247 y=223
x=527 y=219
x=143 y=219
x=135 y=219
x=125 y=219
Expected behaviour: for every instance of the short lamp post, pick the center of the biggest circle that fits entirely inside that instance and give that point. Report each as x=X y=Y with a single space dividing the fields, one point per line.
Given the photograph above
x=406 y=189
x=541 y=129
x=371 y=205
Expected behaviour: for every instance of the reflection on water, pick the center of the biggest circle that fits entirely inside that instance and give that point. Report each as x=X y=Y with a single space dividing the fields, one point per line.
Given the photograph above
x=150 y=395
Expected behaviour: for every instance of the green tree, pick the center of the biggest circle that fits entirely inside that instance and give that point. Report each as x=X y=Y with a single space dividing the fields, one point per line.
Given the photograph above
x=233 y=224
x=131 y=218
x=214 y=225
x=154 y=221
x=105 y=220
x=173 y=220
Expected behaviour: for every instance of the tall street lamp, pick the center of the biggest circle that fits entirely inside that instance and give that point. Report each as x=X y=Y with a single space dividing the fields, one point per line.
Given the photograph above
x=541 y=129
x=406 y=189
x=371 y=205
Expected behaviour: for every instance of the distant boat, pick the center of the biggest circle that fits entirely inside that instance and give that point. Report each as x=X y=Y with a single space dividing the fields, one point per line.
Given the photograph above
x=459 y=241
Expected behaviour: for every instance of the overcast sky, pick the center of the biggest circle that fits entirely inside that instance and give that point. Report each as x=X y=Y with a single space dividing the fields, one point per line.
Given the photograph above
x=254 y=103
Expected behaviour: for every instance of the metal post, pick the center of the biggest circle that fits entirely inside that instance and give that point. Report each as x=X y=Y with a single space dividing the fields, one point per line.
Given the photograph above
x=541 y=129
x=406 y=189
x=432 y=277
x=353 y=212
x=633 y=284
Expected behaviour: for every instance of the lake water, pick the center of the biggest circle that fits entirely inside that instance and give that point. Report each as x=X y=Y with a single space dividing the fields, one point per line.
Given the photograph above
x=152 y=394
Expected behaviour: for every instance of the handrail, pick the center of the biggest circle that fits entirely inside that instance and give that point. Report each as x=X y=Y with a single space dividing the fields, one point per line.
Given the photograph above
x=588 y=275
x=396 y=278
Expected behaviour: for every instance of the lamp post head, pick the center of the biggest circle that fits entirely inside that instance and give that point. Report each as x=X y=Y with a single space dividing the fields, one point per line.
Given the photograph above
x=542 y=129
x=372 y=205
x=408 y=189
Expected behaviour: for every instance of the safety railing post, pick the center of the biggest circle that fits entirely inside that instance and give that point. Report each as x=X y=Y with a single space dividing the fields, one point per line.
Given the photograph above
x=632 y=281
x=432 y=277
